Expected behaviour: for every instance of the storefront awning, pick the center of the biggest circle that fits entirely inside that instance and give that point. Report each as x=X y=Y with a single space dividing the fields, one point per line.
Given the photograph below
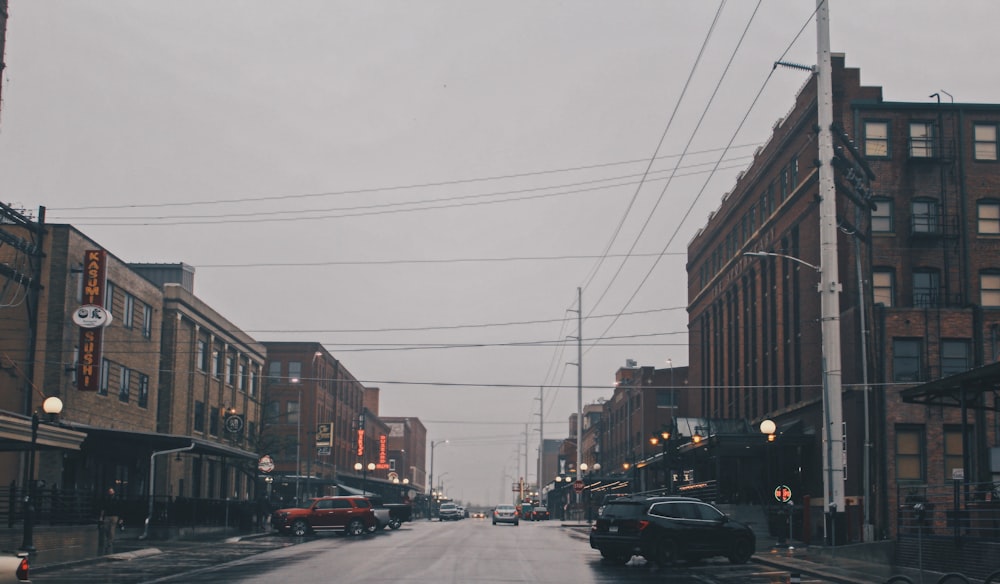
x=153 y=441
x=967 y=389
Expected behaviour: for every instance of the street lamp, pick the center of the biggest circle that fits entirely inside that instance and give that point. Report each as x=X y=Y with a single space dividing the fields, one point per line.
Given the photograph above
x=52 y=407
x=298 y=439
x=430 y=477
x=664 y=439
x=833 y=419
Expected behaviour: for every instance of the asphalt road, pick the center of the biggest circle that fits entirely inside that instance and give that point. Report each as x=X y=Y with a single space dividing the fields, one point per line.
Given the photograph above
x=463 y=552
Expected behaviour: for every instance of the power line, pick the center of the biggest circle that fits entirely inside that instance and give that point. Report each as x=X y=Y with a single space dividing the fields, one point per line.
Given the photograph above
x=442 y=183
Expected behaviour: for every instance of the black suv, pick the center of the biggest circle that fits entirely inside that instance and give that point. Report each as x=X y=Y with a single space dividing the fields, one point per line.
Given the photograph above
x=666 y=530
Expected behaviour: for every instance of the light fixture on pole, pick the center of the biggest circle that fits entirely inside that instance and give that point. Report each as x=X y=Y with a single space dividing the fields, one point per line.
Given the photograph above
x=52 y=407
x=430 y=477
x=298 y=438
x=833 y=424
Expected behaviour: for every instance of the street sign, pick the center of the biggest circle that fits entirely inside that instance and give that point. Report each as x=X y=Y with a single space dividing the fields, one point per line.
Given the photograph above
x=782 y=493
x=578 y=486
x=265 y=464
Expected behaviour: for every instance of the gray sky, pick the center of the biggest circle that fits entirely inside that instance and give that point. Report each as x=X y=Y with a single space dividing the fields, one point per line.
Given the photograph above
x=393 y=179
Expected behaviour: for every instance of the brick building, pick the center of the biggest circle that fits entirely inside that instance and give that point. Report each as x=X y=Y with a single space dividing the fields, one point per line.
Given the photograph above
x=407 y=451
x=920 y=275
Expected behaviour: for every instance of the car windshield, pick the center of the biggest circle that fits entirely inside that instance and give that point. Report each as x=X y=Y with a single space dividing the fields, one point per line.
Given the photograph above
x=505 y=507
x=623 y=510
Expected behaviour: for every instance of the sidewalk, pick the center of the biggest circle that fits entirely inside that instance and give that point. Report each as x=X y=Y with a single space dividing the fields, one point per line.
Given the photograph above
x=847 y=564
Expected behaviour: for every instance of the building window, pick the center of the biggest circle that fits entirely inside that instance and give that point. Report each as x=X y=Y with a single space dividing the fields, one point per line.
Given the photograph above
x=906 y=360
x=213 y=421
x=292 y=412
x=877 y=139
x=989 y=217
x=665 y=398
x=926 y=286
x=882 y=286
x=102 y=389
x=793 y=173
x=273 y=371
x=910 y=457
x=217 y=361
x=230 y=371
x=128 y=311
x=985 y=141
x=989 y=289
x=241 y=383
x=201 y=355
x=147 y=321
x=882 y=216
x=254 y=382
x=926 y=217
x=109 y=298
x=272 y=411
x=294 y=371
x=143 y=390
x=956 y=357
x=953 y=449
x=921 y=140
x=199 y=416
x=123 y=383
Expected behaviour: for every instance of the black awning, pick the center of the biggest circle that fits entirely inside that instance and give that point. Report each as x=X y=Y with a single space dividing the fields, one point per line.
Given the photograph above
x=968 y=388
x=153 y=441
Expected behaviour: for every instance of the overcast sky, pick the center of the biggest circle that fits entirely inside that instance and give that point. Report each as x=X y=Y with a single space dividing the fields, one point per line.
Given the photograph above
x=422 y=186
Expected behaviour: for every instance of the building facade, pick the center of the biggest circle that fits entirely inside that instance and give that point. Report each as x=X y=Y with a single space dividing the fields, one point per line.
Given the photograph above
x=918 y=228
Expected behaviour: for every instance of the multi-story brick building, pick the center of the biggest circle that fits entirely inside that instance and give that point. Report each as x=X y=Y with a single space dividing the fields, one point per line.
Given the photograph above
x=209 y=387
x=920 y=276
x=407 y=451
x=306 y=389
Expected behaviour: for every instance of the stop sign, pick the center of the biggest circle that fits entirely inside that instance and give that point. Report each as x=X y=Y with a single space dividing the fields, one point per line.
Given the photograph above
x=578 y=486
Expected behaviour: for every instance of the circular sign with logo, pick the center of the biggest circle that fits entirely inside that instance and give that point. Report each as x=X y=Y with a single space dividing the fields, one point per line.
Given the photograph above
x=265 y=464
x=234 y=424
x=782 y=493
x=91 y=316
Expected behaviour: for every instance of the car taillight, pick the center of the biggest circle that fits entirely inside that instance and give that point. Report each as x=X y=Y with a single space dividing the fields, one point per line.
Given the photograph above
x=643 y=524
x=22 y=569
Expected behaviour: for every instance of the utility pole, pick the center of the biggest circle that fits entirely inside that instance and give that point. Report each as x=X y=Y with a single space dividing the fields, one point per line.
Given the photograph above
x=834 y=455
x=541 y=437
x=579 y=385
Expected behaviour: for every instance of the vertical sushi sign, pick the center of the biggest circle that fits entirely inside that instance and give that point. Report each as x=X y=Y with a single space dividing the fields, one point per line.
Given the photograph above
x=92 y=317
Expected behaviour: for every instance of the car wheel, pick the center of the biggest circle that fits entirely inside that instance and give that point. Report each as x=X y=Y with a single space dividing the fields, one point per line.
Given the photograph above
x=741 y=551
x=355 y=528
x=494 y=523
x=515 y=524
x=666 y=553
x=300 y=528
x=395 y=524
x=617 y=558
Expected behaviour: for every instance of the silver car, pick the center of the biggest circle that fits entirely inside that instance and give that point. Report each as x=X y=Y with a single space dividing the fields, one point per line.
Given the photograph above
x=505 y=514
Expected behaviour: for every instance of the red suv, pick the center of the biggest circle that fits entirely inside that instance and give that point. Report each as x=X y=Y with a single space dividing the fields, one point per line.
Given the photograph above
x=350 y=515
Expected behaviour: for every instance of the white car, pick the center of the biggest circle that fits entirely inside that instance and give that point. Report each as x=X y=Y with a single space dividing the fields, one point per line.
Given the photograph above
x=505 y=514
x=449 y=512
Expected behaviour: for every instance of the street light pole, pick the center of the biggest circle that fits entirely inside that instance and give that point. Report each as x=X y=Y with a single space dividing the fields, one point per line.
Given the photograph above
x=52 y=406
x=430 y=477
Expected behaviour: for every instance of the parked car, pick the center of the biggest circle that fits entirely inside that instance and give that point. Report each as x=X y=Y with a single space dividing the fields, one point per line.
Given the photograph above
x=351 y=515
x=449 y=512
x=14 y=568
x=539 y=513
x=505 y=514
x=666 y=530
